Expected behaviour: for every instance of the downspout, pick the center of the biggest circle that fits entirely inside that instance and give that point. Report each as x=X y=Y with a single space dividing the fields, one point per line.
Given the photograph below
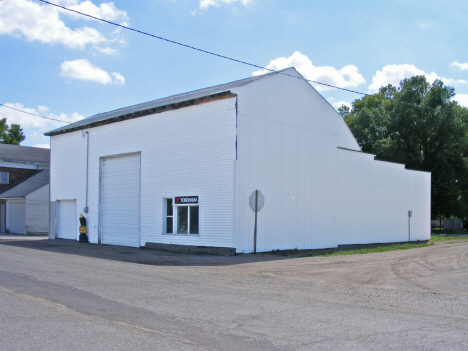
x=236 y=127
x=55 y=202
x=85 y=210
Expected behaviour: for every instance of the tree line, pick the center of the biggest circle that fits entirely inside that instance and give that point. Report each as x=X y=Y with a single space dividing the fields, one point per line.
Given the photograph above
x=420 y=125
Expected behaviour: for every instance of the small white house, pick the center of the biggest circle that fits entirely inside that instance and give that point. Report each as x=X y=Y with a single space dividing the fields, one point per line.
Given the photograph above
x=27 y=205
x=261 y=164
x=23 y=196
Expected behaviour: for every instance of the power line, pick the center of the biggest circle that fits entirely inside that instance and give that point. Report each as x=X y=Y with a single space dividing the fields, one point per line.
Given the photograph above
x=200 y=50
x=33 y=114
x=226 y=57
x=209 y=53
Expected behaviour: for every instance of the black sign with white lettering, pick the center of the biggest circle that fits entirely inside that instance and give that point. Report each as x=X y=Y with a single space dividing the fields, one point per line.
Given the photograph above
x=180 y=200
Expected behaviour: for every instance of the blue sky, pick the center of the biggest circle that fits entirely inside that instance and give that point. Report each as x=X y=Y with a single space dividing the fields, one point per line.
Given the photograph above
x=64 y=66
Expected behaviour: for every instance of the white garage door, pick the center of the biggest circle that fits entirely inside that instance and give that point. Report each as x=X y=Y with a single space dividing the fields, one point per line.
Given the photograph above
x=67 y=224
x=16 y=217
x=120 y=200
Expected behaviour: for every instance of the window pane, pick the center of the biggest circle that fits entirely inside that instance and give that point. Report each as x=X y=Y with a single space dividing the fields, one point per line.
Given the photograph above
x=169 y=224
x=194 y=220
x=4 y=178
x=169 y=208
x=182 y=219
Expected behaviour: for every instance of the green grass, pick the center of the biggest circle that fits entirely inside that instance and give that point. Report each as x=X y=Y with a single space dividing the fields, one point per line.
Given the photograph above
x=357 y=251
x=448 y=238
x=383 y=248
x=393 y=247
x=365 y=250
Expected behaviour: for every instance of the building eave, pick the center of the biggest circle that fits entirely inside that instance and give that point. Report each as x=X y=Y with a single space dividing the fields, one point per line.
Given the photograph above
x=146 y=112
x=25 y=162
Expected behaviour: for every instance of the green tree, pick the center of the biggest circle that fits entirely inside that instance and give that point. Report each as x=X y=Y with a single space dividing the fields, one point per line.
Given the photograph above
x=419 y=124
x=10 y=134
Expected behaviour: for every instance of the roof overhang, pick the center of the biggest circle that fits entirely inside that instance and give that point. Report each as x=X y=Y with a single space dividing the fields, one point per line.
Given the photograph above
x=145 y=112
x=25 y=162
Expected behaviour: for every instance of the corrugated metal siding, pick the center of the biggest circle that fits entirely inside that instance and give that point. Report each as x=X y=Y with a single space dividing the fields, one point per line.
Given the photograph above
x=37 y=211
x=316 y=195
x=164 y=102
x=291 y=102
x=189 y=151
x=120 y=200
x=380 y=194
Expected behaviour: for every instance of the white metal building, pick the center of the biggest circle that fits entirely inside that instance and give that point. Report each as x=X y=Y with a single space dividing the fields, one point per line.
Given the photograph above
x=181 y=170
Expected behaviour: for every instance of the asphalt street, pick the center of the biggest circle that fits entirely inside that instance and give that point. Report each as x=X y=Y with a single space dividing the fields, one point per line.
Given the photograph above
x=60 y=295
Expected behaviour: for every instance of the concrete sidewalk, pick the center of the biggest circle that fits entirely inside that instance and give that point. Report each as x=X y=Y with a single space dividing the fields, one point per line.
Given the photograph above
x=22 y=237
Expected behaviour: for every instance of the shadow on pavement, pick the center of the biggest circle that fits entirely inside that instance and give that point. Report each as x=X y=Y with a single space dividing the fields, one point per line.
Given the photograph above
x=136 y=255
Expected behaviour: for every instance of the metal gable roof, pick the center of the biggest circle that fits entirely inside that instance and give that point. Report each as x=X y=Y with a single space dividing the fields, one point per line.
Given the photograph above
x=155 y=104
x=27 y=186
x=24 y=154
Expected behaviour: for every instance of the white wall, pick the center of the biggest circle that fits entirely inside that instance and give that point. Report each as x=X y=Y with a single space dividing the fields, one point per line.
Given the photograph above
x=37 y=211
x=2 y=217
x=316 y=195
x=52 y=210
x=184 y=152
x=374 y=200
x=15 y=216
x=289 y=142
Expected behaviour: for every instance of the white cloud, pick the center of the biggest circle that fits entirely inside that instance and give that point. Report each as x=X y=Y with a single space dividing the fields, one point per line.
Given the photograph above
x=393 y=74
x=347 y=77
x=338 y=104
x=204 y=4
x=106 y=11
x=462 y=99
x=43 y=109
x=34 y=127
x=118 y=78
x=42 y=23
x=27 y=121
x=106 y=50
x=43 y=146
x=460 y=66
x=84 y=70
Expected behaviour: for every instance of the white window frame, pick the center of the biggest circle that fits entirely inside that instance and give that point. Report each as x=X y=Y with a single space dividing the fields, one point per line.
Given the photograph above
x=165 y=216
x=175 y=218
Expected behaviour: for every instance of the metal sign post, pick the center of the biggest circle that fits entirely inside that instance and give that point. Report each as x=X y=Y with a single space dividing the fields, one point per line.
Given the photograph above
x=410 y=214
x=256 y=203
x=255 y=227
